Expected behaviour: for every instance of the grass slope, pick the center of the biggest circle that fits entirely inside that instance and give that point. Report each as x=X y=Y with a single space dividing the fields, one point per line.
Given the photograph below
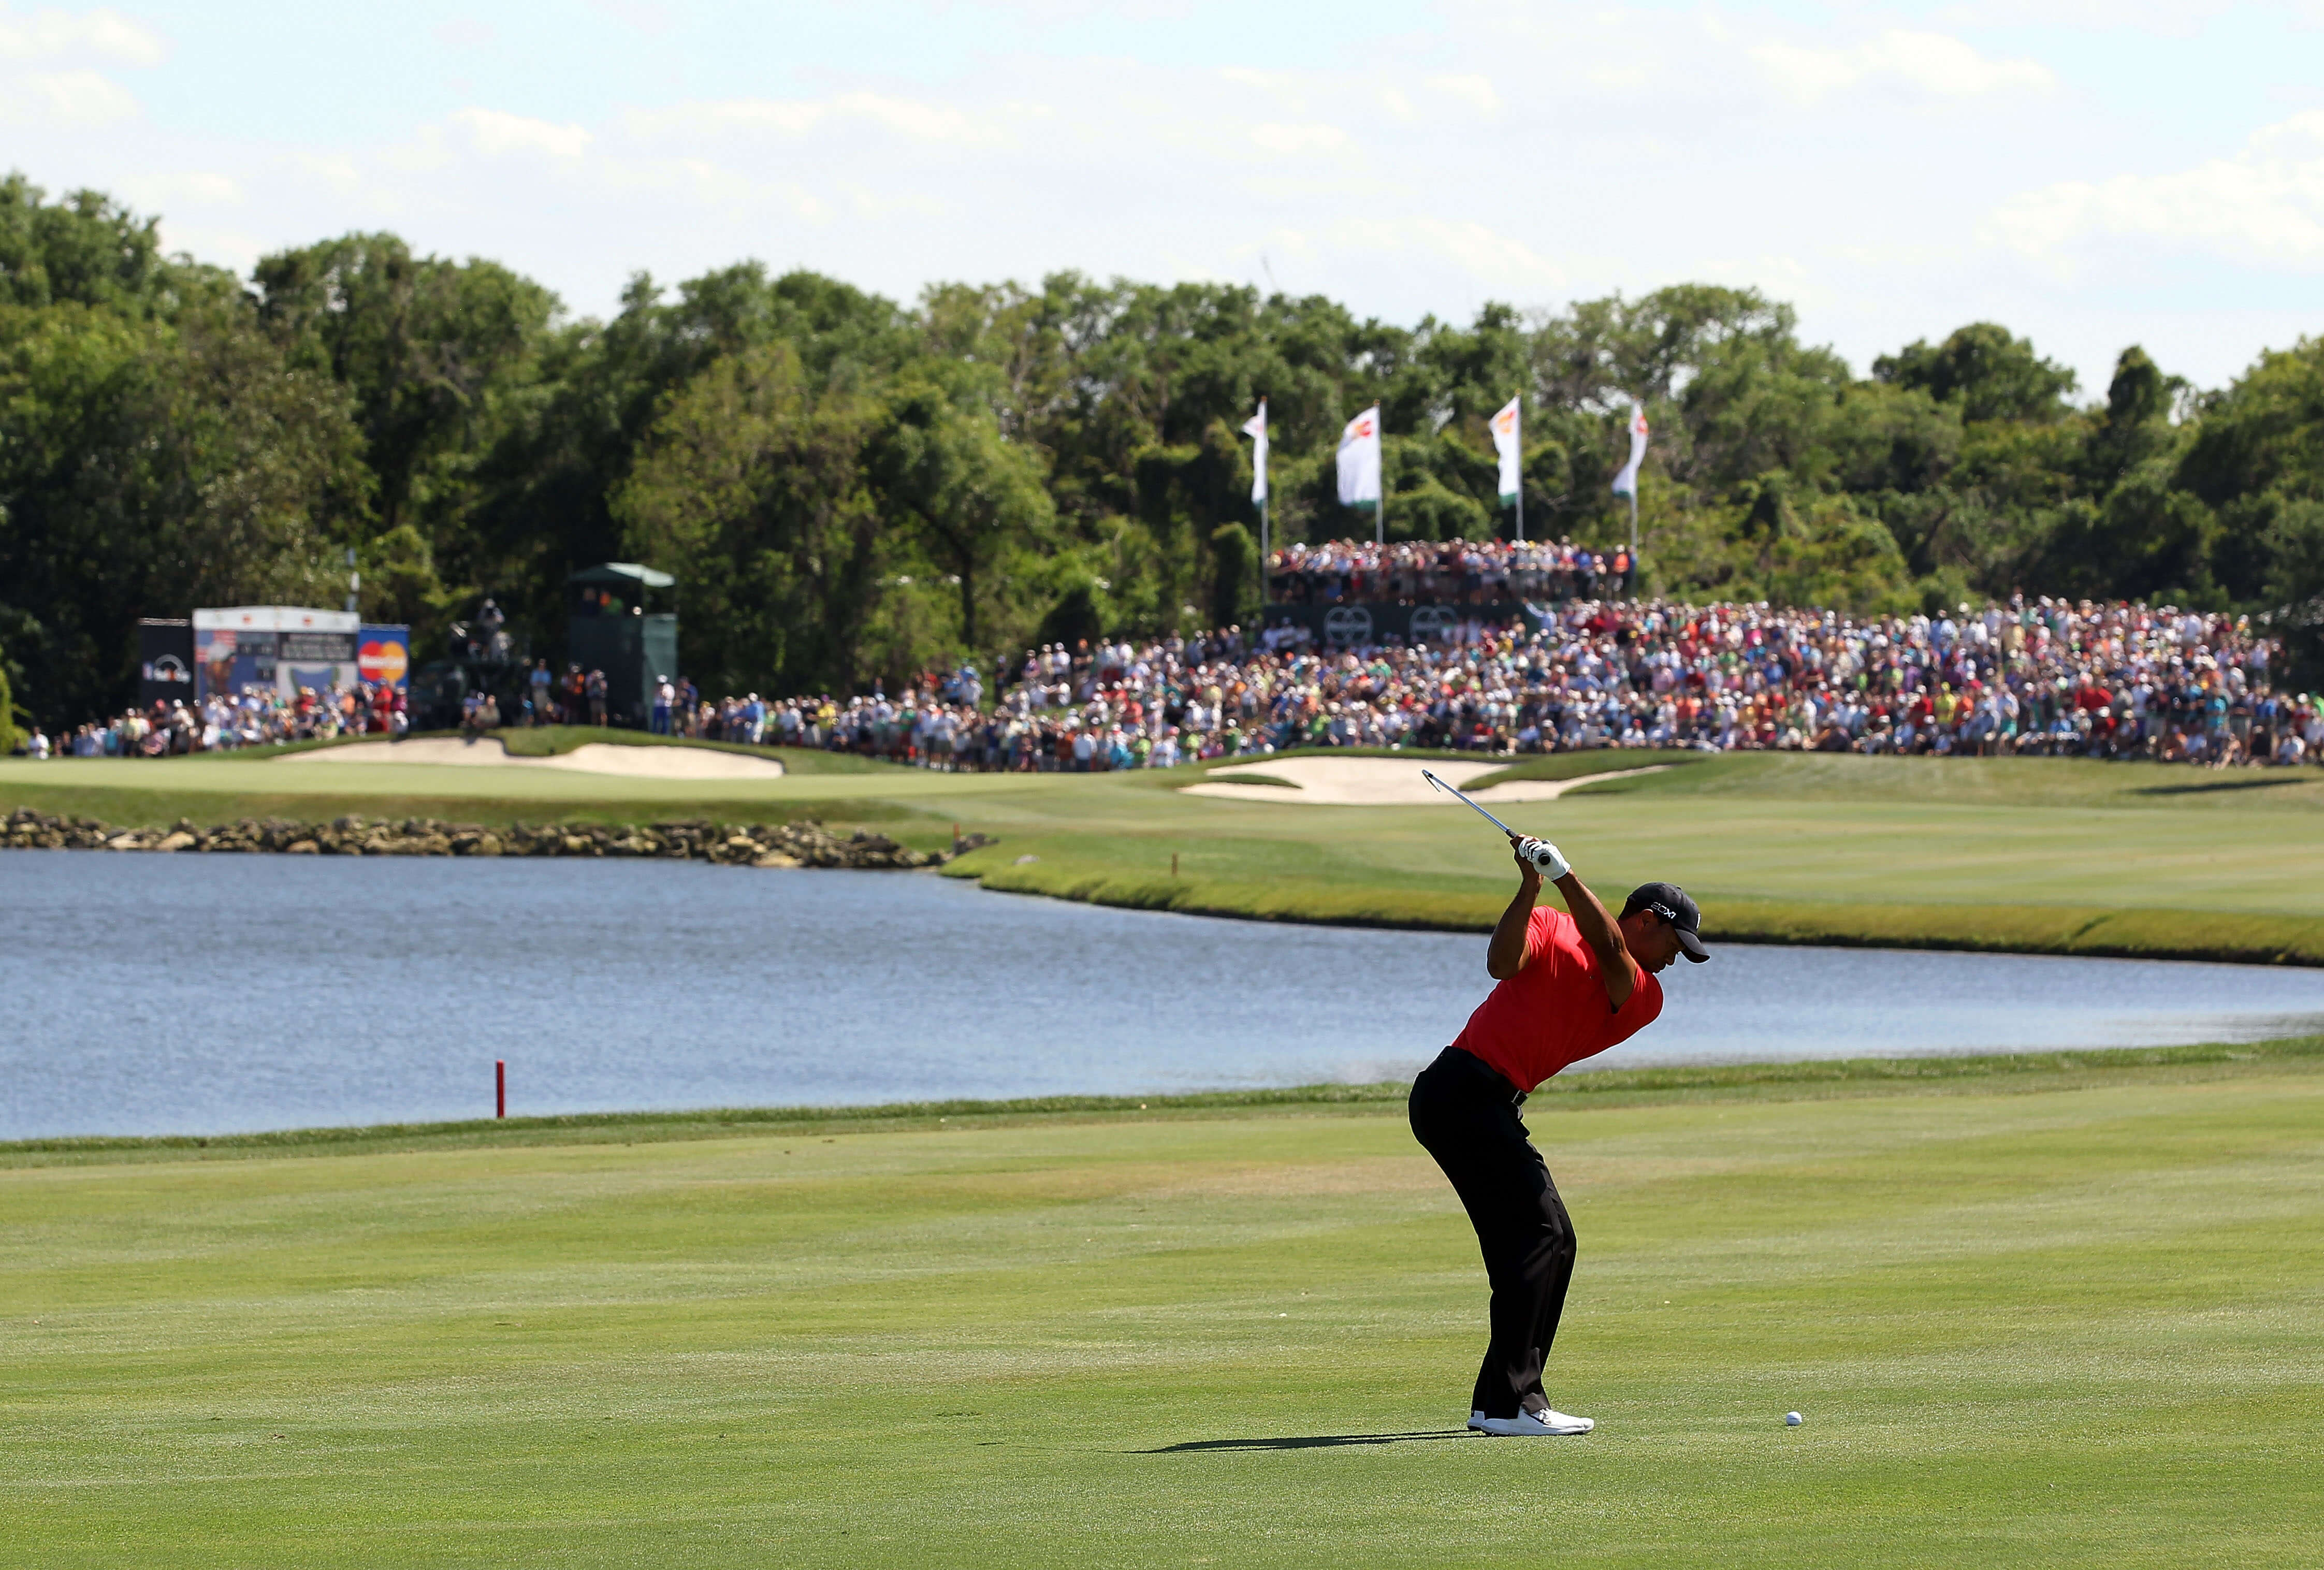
x=2040 y=1327
x=2046 y=855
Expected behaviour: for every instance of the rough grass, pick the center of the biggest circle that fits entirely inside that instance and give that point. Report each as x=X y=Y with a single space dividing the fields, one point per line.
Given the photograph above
x=2028 y=1325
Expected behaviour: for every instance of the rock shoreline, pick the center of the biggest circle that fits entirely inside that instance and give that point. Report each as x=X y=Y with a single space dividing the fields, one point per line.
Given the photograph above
x=805 y=844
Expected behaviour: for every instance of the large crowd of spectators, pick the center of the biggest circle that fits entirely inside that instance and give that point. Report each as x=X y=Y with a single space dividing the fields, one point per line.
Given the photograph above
x=2040 y=676
x=2037 y=677
x=1452 y=572
x=255 y=716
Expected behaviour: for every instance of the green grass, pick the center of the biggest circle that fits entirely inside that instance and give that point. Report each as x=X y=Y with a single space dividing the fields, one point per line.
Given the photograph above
x=2072 y=1316
x=2046 y=855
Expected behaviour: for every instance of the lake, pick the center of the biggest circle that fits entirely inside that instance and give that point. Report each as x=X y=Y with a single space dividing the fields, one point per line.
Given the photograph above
x=211 y=994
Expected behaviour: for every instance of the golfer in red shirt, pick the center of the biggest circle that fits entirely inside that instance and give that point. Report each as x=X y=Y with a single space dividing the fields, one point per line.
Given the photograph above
x=1570 y=986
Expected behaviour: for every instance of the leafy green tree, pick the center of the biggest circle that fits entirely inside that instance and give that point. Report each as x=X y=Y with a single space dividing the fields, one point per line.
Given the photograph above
x=10 y=734
x=2135 y=424
x=2293 y=590
x=976 y=500
x=752 y=490
x=1985 y=371
x=1234 y=591
x=88 y=250
x=433 y=353
x=2255 y=455
x=150 y=466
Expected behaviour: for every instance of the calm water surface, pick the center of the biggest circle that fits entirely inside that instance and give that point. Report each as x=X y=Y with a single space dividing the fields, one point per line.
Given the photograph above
x=208 y=994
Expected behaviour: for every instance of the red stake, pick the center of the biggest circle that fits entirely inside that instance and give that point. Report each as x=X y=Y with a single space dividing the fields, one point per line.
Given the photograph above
x=500 y=1087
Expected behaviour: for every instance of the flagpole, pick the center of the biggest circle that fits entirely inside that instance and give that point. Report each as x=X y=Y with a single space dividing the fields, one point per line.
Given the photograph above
x=1633 y=534
x=1380 y=508
x=1262 y=559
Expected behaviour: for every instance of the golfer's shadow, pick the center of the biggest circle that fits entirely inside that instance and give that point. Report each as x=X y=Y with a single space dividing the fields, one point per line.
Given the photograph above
x=1303 y=1442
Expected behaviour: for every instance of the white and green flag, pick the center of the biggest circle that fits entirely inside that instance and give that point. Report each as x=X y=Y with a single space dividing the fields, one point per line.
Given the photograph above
x=1508 y=440
x=1255 y=428
x=1360 y=460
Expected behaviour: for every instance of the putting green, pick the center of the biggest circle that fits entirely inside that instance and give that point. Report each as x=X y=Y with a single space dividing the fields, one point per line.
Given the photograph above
x=2078 y=1326
x=2034 y=854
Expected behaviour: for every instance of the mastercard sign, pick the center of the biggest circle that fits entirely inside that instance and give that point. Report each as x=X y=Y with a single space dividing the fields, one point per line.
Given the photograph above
x=384 y=655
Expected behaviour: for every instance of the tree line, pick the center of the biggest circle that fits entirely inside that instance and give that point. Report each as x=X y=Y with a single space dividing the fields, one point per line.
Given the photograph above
x=850 y=489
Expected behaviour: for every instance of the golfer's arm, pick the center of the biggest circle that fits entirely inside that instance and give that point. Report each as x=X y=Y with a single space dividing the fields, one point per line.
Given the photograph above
x=1505 y=955
x=1603 y=936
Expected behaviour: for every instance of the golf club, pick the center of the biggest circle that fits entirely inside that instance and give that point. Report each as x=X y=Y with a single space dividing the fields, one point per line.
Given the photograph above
x=1430 y=776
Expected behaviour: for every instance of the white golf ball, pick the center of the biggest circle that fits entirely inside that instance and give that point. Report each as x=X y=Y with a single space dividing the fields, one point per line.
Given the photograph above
x=1793 y=1419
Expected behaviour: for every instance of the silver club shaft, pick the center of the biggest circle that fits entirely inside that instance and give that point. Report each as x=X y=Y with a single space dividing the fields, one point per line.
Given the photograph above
x=1430 y=776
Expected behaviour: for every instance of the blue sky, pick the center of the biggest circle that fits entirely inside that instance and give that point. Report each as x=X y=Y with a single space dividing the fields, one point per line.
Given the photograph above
x=2092 y=175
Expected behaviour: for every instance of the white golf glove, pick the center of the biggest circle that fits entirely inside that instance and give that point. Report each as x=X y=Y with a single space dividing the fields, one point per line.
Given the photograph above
x=1545 y=856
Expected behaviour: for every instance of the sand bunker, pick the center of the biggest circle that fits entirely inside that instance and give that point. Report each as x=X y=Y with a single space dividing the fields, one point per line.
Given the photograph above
x=1386 y=783
x=591 y=758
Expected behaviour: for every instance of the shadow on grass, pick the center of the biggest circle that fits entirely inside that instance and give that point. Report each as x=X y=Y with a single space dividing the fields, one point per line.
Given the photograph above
x=2211 y=786
x=1302 y=1442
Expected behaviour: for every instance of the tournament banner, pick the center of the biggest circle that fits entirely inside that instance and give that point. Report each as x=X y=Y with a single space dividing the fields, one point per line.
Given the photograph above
x=319 y=660
x=165 y=662
x=277 y=648
x=227 y=660
x=383 y=656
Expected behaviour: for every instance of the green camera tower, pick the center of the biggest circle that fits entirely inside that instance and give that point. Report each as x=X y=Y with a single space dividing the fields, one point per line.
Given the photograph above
x=622 y=622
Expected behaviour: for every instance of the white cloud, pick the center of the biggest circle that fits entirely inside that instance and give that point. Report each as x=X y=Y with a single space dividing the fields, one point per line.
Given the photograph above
x=1299 y=139
x=1938 y=65
x=1475 y=91
x=789 y=117
x=82 y=100
x=494 y=133
x=2160 y=18
x=907 y=117
x=2264 y=204
x=1806 y=75
x=921 y=122
x=1283 y=86
x=866 y=203
x=337 y=171
x=46 y=34
x=200 y=188
x=1495 y=260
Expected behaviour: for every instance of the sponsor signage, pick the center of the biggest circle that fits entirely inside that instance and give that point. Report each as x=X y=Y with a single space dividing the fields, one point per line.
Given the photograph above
x=1345 y=626
x=165 y=662
x=317 y=648
x=383 y=655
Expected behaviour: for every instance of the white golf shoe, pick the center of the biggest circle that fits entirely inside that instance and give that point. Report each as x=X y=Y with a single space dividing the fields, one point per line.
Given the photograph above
x=1532 y=1423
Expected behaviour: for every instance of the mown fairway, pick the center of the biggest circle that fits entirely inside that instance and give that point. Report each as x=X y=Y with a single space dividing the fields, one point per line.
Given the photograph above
x=2011 y=853
x=2038 y=1327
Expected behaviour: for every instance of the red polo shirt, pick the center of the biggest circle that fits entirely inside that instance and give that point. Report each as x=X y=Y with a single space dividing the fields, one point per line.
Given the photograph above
x=1553 y=1013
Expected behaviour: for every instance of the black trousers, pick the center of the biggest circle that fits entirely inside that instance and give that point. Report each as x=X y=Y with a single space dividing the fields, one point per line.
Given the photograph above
x=1466 y=1115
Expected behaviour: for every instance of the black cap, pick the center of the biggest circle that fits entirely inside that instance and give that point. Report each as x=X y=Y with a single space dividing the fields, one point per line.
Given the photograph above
x=1670 y=902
